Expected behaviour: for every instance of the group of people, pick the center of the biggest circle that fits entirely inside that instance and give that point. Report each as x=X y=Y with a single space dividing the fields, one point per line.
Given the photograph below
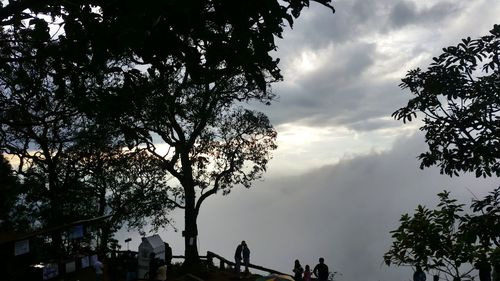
x=320 y=271
x=158 y=267
x=242 y=253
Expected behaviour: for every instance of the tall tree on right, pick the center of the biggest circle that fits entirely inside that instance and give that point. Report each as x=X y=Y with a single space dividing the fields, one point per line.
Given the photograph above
x=459 y=97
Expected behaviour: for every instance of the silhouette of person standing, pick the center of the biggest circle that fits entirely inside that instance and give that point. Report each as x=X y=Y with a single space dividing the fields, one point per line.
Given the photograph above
x=496 y=272
x=297 y=271
x=153 y=266
x=168 y=255
x=246 y=256
x=237 y=257
x=419 y=275
x=307 y=273
x=131 y=266
x=484 y=268
x=321 y=270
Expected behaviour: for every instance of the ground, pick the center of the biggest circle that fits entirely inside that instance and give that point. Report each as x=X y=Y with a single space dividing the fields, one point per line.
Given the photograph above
x=176 y=274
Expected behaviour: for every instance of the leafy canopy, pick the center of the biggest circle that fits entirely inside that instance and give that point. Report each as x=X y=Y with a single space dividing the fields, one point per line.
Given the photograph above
x=459 y=97
x=433 y=239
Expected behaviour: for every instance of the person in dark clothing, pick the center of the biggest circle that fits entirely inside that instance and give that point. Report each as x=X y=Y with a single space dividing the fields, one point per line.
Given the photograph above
x=297 y=271
x=307 y=273
x=484 y=268
x=321 y=270
x=237 y=257
x=153 y=266
x=246 y=256
x=419 y=275
x=496 y=272
x=168 y=255
x=131 y=266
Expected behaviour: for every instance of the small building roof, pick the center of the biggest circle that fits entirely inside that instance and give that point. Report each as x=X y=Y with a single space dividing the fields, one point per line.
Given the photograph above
x=154 y=241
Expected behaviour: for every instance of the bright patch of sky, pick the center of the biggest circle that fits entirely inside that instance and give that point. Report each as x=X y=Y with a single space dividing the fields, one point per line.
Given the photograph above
x=302 y=148
x=342 y=71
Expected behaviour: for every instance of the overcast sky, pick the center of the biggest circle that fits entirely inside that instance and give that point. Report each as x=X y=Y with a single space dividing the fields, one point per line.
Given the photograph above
x=344 y=171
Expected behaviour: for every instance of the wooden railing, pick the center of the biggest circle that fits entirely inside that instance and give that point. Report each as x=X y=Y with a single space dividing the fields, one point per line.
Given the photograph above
x=223 y=262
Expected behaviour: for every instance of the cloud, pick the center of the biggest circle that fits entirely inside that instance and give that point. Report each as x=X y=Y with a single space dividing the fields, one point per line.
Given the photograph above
x=345 y=68
x=342 y=212
x=407 y=12
x=341 y=84
x=327 y=100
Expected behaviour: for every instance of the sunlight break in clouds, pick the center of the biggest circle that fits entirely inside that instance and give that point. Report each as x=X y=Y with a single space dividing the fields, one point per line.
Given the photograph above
x=308 y=61
x=302 y=148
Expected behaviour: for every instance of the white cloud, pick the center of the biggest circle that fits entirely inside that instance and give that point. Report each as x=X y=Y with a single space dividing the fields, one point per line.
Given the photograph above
x=343 y=212
x=343 y=68
x=335 y=188
x=302 y=148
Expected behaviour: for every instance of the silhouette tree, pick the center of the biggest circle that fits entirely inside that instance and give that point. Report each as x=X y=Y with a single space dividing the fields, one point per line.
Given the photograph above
x=434 y=239
x=459 y=97
x=210 y=143
x=484 y=226
x=72 y=166
x=127 y=186
x=38 y=123
x=175 y=72
x=10 y=188
x=235 y=35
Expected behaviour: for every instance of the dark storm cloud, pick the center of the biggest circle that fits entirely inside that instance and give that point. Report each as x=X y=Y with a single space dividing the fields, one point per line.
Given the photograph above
x=339 y=92
x=342 y=212
x=332 y=91
x=355 y=105
x=352 y=20
x=355 y=19
x=407 y=12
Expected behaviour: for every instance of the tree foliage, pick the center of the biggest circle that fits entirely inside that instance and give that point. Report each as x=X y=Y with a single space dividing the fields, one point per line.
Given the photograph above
x=433 y=239
x=171 y=74
x=484 y=227
x=459 y=97
x=10 y=188
x=38 y=123
x=72 y=164
x=210 y=37
x=210 y=141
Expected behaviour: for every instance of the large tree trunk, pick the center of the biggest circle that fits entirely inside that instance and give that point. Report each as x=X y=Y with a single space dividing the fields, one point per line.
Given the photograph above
x=190 y=229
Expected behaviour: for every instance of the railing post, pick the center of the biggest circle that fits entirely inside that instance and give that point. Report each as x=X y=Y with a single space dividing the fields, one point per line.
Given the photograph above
x=221 y=264
x=210 y=258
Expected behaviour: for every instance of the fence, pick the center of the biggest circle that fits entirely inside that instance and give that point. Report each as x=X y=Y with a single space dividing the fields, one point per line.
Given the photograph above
x=223 y=263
